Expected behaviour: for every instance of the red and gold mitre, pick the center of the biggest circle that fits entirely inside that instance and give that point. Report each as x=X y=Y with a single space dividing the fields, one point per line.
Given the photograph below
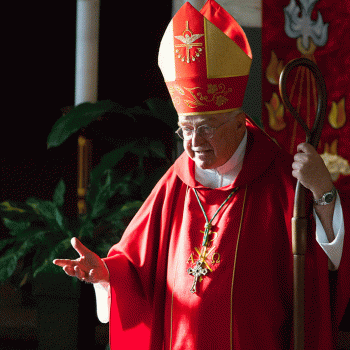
x=205 y=60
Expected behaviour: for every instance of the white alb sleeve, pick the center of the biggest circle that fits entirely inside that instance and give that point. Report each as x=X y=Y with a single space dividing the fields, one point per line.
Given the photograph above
x=103 y=299
x=334 y=250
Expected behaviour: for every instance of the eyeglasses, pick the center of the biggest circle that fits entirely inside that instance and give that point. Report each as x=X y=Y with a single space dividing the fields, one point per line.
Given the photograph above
x=205 y=131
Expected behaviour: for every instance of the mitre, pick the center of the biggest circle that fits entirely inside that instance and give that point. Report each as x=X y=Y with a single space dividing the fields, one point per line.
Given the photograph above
x=205 y=60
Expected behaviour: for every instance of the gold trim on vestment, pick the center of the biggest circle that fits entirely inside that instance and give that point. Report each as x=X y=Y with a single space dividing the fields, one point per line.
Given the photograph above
x=234 y=269
x=233 y=274
x=172 y=303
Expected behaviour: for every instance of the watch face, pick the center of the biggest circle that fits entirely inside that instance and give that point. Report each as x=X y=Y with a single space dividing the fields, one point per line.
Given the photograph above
x=328 y=198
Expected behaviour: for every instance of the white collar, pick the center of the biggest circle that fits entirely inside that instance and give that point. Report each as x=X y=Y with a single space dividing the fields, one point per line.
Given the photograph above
x=225 y=174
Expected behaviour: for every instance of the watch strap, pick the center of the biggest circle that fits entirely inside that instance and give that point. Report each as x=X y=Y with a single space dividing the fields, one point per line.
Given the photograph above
x=327 y=198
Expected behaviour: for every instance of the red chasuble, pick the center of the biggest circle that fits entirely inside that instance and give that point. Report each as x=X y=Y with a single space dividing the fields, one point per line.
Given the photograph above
x=244 y=301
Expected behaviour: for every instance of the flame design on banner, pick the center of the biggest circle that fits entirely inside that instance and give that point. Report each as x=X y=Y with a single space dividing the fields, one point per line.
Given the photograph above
x=337 y=116
x=276 y=112
x=274 y=69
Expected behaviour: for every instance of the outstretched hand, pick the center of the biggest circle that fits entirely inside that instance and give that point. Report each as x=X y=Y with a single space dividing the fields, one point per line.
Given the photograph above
x=89 y=267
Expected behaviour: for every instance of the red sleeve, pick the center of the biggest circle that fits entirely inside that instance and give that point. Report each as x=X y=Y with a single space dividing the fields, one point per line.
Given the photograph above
x=137 y=266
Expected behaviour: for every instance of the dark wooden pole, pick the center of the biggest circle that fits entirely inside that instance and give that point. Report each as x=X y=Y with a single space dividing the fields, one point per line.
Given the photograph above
x=299 y=220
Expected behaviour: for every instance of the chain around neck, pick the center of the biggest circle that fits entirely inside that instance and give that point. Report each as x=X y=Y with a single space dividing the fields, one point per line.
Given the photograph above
x=208 y=223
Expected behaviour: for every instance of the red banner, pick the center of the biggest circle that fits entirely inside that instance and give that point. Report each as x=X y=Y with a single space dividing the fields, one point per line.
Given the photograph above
x=320 y=31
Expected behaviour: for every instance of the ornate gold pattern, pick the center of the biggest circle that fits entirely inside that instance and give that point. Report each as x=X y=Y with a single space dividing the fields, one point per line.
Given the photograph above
x=188 y=42
x=216 y=93
x=194 y=102
x=176 y=99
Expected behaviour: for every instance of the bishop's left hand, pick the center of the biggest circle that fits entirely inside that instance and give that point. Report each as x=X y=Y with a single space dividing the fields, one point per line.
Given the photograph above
x=310 y=170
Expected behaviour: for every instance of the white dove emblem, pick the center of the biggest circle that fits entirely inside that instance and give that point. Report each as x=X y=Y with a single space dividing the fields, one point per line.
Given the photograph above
x=188 y=39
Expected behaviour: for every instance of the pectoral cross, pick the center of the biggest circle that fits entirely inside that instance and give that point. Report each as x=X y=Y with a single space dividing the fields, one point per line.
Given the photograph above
x=196 y=272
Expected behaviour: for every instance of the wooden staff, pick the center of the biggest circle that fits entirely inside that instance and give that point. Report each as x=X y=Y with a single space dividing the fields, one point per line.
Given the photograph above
x=299 y=220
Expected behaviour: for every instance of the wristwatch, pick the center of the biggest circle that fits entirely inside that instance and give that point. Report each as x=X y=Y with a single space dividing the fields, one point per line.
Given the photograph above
x=327 y=197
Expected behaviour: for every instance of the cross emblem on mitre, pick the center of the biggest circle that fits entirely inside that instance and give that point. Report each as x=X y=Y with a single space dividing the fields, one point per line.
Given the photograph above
x=188 y=39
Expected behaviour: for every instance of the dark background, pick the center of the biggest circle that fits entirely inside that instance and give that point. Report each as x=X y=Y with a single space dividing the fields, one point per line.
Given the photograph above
x=38 y=46
x=38 y=78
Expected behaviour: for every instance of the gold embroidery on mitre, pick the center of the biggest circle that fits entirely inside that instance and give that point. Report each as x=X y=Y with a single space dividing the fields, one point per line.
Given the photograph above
x=176 y=99
x=216 y=93
x=194 y=102
x=188 y=40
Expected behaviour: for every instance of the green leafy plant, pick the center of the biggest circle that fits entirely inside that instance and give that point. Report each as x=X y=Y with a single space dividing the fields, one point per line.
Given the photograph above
x=38 y=229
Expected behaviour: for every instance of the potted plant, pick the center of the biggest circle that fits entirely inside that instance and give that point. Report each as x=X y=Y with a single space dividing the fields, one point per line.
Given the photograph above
x=39 y=231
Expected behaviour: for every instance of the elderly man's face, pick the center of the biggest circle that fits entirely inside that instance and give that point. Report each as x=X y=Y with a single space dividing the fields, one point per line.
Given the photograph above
x=210 y=153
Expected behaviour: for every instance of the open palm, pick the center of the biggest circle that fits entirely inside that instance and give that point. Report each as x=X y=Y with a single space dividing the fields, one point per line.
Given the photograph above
x=89 y=267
